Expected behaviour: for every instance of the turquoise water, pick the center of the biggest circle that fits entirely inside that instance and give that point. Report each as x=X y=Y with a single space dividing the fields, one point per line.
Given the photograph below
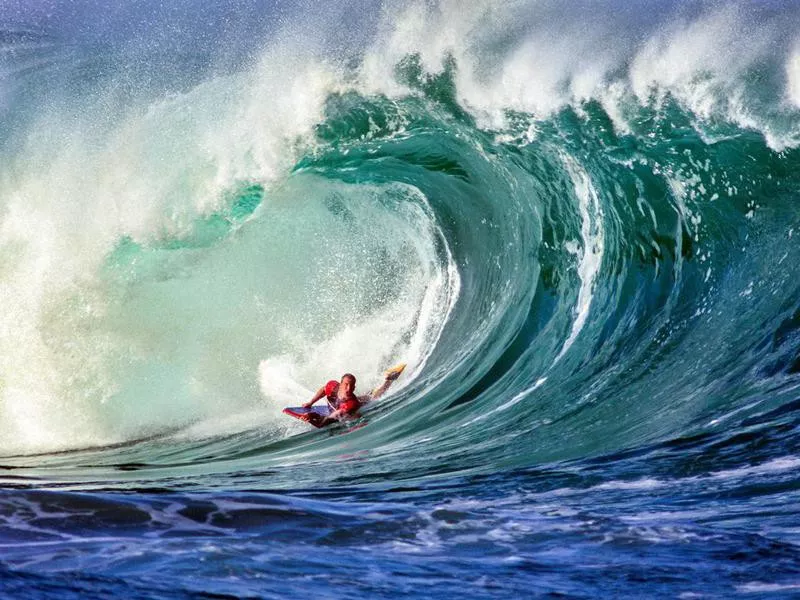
x=578 y=231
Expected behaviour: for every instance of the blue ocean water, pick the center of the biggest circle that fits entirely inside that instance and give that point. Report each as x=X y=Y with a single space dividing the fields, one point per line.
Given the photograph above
x=576 y=222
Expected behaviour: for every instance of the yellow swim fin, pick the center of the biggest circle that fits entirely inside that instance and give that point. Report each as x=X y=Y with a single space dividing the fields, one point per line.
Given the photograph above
x=394 y=372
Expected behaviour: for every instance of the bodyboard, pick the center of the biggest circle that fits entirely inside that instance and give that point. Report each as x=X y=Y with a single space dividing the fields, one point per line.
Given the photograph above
x=314 y=415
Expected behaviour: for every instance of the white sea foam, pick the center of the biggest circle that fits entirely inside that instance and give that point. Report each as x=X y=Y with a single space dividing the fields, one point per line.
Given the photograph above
x=761 y=587
x=83 y=180
x=786 y=463
x=590 y=256
x=793 y=76
x=637 y=484
x=536 y=57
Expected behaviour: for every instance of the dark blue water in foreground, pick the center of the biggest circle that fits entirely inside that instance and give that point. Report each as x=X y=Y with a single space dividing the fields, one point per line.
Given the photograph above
x=578 y=227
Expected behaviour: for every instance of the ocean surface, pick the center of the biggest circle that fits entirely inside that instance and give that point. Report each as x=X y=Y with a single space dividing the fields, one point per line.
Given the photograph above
x=577 y=222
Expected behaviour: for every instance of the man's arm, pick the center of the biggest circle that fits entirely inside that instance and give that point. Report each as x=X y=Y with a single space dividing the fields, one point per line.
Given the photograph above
x=334 y=417
x=320 y=394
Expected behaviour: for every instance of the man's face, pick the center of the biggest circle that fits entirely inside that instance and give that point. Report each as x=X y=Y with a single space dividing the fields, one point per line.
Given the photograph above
x=346 y=386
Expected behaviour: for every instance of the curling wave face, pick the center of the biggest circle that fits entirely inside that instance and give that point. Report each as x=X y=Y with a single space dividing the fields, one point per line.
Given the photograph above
x=575 y=255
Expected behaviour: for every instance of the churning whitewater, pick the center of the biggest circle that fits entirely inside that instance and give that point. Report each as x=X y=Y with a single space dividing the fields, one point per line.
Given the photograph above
x=576 y=222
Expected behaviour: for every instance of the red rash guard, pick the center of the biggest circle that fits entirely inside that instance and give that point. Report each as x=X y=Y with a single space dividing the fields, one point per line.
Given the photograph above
x=331 y=388
x=348 y=405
